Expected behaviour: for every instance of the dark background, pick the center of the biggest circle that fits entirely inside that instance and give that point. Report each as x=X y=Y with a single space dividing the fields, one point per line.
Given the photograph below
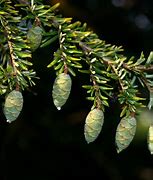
x=44 y=143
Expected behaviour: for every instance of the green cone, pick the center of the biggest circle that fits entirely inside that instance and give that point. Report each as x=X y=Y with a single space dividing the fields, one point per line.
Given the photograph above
x=13 y=105
x=125 y=132
x=61 y=89
x=150 y=139
x=34 y=37
x=93 y=124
